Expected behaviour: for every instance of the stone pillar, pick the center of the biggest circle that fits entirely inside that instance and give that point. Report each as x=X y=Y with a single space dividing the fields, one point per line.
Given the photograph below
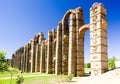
x=79 y=43
x=46 y=43
x=24 y=59
x=98 y=39
x=42 y=58
x=26 y=56
x=65 y=45
x=36 y=59
x=29 y=58
x=53 y=49
x=38 y=53
x=72 y=46
x=58 y=67
x=33 y=56
x=40 y=39
x=49 y=53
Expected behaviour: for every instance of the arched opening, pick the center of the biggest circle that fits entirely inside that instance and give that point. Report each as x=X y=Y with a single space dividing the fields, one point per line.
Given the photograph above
x=87 y=63
x=65 y=40
x=81 y=57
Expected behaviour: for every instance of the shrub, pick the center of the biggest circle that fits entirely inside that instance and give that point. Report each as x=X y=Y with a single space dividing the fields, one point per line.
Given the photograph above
x=20 y=79
x=64 y=78
x=111 y=63
x=87 y=65
x=69 y=77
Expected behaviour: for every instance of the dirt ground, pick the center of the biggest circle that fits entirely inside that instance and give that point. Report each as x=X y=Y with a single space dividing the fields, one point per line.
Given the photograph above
x=110 y=77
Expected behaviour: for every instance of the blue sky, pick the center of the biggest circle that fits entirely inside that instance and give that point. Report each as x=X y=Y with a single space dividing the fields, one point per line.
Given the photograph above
x=20 y=20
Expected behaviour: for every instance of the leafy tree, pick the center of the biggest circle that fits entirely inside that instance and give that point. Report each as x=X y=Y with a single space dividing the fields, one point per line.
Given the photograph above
x=12 y=71
x=111 y=63
x=3 y=61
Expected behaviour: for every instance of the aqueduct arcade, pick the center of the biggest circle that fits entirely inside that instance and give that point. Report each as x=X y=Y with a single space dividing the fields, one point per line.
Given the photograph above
x=63 y=51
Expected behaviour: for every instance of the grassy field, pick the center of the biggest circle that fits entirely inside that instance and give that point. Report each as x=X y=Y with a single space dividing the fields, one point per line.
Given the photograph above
x=7 y=74
x=29 y=79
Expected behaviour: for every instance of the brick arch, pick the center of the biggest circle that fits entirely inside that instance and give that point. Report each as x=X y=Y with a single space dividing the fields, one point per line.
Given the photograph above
x=82 y=31
x=67 y=14
x=65 y=39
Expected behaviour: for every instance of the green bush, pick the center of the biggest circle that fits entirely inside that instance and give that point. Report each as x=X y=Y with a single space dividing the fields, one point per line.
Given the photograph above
x=111 y=63
x=69 y=77
x=20 y=79
x=87 y=65
x=64 y=78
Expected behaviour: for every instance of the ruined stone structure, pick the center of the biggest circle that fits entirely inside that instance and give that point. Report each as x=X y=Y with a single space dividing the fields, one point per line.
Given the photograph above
x=63 y=51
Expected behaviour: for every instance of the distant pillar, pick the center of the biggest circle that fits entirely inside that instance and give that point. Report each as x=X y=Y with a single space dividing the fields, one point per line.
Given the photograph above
x=98 y=39
x=33 y=56
x=72 y=46
x=49 y=53
x=46 y=43
x=36 y=59
x=42 y=60
x=29 y=58
x=58 y=67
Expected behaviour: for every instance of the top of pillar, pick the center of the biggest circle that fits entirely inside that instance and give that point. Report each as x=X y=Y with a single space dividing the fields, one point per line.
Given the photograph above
x=41 y=33
x=59 y=27
x=79 y=9
x=96 y=4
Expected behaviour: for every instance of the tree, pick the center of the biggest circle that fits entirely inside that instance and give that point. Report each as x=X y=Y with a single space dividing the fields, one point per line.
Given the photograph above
x=111 y=63
x=3 y=61
x=12 y=71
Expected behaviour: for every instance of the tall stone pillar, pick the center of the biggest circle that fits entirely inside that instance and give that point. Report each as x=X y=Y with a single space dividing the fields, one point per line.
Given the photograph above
x=33 y=56
x=79 y=43
x=98 y=39
x=41 y=38
x=72 y=45
x=65 y=45
x=36 y=59
x=58 y=67
x=29 y=58
x=26 y=57
x=53 y=50
x=46 y=43
x=42 y=60
x=49 y=53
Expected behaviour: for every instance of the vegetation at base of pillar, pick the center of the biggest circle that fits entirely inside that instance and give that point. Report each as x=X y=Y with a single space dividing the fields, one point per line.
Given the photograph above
x=64 y=78
x=111 y=63
x=87 y=65
x=20 y=79
x=4 y=63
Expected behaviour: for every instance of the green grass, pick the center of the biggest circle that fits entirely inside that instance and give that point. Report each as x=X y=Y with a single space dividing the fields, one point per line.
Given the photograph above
x=7 y=74
x=39 y=77
x=30 y=79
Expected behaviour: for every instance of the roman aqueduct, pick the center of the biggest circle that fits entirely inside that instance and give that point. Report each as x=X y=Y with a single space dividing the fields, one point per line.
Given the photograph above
x=63 y=51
